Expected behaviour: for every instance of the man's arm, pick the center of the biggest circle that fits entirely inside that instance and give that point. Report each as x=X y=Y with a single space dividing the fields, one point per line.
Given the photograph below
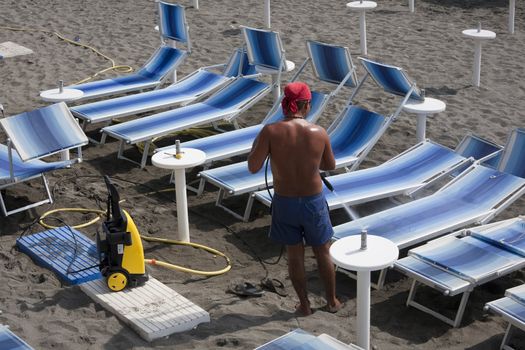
x=259 y=152
x=328 y=160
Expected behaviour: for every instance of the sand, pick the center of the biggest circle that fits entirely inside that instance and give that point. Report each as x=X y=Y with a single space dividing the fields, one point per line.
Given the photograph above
x=427 y=43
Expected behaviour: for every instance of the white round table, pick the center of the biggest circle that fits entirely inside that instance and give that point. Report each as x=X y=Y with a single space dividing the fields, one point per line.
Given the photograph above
x=380 y=253
x=166 y=160
x=423 y=109
x=55 y=95
x=362 y=7
x=478 y=36
x=276 y=90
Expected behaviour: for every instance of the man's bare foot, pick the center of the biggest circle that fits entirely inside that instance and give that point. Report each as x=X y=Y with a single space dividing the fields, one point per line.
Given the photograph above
x=303 y=310
x=335 y=307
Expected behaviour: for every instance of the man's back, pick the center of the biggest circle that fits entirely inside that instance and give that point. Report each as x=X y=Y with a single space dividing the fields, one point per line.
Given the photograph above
x=298 y=150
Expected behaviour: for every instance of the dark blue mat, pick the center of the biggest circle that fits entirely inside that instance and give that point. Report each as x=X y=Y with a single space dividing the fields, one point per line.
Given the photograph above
x=9 y=341
x=64 y=251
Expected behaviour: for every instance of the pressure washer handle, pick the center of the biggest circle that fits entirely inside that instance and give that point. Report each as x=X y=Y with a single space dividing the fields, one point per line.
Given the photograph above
x=326 y=182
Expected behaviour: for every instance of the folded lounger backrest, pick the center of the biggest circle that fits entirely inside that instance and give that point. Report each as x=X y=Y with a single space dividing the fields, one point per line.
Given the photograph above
x=34 y=135
x=166 y=59
x=393 y=80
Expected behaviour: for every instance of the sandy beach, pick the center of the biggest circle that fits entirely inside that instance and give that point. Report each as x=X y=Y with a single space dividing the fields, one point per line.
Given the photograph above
x=428 y=44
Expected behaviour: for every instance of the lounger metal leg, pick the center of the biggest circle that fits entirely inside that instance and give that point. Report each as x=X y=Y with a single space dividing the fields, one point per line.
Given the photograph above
x=103 y=138
x=506 y=338
x=248 y=209
x=453 y=322
x=144 y=158
x=222 y=195
x=48 y=200
x=202 y=182
x=145 y=154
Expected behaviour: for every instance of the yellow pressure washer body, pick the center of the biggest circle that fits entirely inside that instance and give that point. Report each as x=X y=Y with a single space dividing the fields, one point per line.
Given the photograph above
x=120 y=248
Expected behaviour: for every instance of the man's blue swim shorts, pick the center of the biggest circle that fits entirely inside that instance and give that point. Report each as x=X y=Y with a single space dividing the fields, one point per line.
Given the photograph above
x=298 y=219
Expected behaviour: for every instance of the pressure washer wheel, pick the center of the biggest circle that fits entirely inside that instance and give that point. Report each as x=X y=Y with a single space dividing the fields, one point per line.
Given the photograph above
x=117 y=281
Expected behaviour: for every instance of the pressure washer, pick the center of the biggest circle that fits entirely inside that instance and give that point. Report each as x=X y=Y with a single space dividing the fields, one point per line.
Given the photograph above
x=120 y=251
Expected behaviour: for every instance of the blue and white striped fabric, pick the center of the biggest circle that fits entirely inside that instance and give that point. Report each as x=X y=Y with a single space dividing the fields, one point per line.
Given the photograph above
x=192 y=87
x=43 y=132
x=473 y=197
x=331 y=63
x=408 y=171
x=517 y=293
x=511 y=237
x=264 y=48
x=10 y=341
x=391 y=78
x=510 y=309
x=164 y=60
x=468 y=258
x=226 y=102
x=240 y=141
x=173 y=22
x=24 y=170
x=473 y=258
x=352 y=134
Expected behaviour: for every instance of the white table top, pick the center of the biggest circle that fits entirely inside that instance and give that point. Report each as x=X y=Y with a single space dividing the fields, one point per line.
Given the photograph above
x=361 y=6
x=166 y=159
x=481 y=35
x=67 y=94
x=428 y=106
x=263 y=70
x=380 y=253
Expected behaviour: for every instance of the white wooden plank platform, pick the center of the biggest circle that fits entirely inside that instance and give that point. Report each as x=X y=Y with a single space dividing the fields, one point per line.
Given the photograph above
x=153 y=310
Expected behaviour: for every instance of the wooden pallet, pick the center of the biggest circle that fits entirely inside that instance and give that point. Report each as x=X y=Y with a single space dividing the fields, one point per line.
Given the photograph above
x=153 y=310
x=10 y=341
x=63 y=250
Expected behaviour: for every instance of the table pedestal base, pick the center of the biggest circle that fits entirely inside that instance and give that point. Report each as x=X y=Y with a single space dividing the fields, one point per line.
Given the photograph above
x=183 y=233
x=363 y=309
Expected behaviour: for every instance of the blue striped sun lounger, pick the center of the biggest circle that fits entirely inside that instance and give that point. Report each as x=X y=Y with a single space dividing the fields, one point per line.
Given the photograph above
x=330 y=63
x=32 y=136
x=299 y=339
x=475 y=196
x=227 y=104
x=165 y=60
x=354 y=134
x=512 y=308
x=409 y=172
x=10 y=341
x=192 y=87
x=458 y=263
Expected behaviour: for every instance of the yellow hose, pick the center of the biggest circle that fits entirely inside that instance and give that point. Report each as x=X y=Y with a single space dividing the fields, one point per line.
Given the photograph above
x=119 y=68
x=73 y=210
x=164 y=264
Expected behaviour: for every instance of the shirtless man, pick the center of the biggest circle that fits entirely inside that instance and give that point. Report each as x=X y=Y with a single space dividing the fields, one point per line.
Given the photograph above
x=298 y=149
